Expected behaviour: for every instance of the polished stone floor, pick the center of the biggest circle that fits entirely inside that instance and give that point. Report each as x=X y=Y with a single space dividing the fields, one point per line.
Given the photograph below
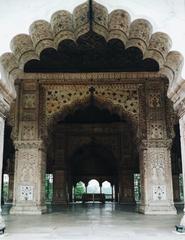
x=92 y=221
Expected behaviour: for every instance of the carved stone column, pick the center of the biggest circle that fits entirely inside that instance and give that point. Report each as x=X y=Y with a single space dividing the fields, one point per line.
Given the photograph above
x=70 y=191
x=156 y=178
x=29 y=181
x=10 y=187
x=176 y=188
x=59 y=187
x=126 y=190
x=182 y=134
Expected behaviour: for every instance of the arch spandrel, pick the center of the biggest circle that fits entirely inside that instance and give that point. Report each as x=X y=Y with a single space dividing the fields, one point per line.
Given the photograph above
x=126 y=112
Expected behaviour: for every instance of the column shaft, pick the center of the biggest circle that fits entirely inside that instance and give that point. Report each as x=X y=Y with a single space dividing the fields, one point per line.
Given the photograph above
x=176 y=188
x=59 y=187
x=10 y=187
x=156 y=179
x=29 y=182
x=126 y=189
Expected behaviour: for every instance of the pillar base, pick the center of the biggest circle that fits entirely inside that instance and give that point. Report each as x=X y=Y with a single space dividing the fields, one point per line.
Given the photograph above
x=2 y=223
x=158 y=209
x=28 y=210
x=181 y=228
x=127 y=202
x=183 y=221
x=59 y=203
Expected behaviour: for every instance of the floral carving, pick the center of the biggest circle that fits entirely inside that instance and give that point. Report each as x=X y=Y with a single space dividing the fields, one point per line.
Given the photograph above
x=154 y=100
x=29 y=100
x=156 y=130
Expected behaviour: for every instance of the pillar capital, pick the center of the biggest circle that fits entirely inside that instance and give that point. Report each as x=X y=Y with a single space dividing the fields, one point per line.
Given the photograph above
x=154 y=143
x=32 y=144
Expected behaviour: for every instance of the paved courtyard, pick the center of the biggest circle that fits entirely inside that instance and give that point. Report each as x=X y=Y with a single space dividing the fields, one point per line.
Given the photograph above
x=92 y=221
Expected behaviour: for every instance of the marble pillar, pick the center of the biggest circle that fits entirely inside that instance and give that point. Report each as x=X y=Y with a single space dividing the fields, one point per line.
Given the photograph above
x=182 y=137
x=59 y=187
x=10 y=187
x=156 y=178
x=176 y=188
x=112 y=192
x=29 y=178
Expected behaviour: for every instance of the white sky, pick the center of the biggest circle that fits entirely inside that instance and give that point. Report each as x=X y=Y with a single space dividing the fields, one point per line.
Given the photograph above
x=165 y=15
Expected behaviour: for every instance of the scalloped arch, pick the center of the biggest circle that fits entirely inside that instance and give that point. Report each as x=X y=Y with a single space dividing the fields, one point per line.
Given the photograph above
x=72 y=42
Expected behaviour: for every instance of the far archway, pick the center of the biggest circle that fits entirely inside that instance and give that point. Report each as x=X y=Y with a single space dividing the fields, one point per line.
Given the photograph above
x=93 y=186
x=91 y=142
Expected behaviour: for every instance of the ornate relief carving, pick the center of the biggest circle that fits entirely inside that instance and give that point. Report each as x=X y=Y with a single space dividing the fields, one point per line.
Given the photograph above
x=142 y=130
x=151 y=143
x=29 y=144
x=27 y=166
x=156 y=130
x=171 y=118
x=80 y=17
x=154 y=100
x=127 y=98
x=28 y=115
x=156 y=115
x=159 y=192
x=119 y=21
x=30 y=86
x=28 y=130
x=157 y=164
x=29 y=100
x=57 y=97
x=26 y=193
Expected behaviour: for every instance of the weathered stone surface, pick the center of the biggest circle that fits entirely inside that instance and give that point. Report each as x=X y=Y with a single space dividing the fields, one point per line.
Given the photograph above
x=139 y=34
x=119 y=23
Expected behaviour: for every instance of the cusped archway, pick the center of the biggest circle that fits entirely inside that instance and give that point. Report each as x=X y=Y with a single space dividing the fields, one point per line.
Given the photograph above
x=91 y=39
x=93 y=109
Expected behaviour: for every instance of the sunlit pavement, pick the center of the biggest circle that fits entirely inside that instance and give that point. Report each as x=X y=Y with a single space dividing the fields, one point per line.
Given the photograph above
x=92 y=221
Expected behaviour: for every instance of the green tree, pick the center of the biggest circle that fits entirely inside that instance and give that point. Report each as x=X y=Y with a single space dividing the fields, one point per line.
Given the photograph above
x=49 y=187
x=79 y=189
